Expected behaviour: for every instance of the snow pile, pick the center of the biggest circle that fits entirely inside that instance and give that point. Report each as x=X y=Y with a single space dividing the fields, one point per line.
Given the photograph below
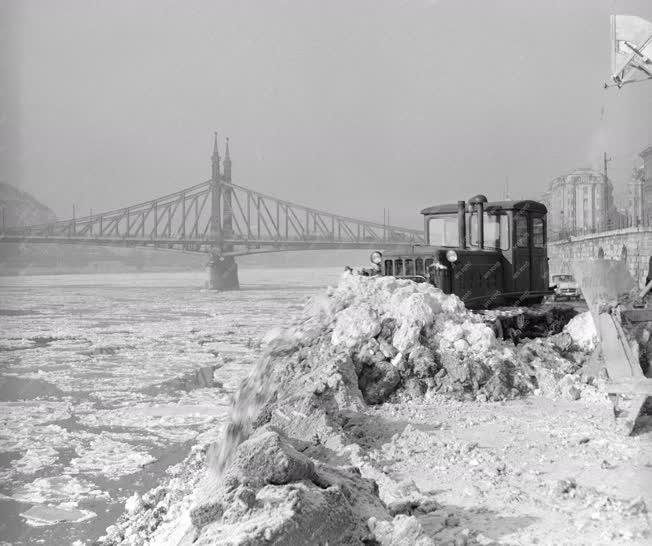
x=411 y=338
x=272 y=478
x=372 y=339
x=276 y=490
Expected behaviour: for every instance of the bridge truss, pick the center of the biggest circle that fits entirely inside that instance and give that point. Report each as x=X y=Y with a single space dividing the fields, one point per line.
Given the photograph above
x=218 y=217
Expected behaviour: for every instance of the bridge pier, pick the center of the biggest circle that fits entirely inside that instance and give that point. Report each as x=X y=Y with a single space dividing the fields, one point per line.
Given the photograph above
x=223 y=273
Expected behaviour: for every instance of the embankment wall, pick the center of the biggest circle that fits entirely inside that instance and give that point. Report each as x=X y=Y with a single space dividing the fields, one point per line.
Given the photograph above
x=632 y=244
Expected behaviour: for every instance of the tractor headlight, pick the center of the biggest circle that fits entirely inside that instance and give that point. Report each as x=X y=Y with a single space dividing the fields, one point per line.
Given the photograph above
x=376 y=257
x=451 y=256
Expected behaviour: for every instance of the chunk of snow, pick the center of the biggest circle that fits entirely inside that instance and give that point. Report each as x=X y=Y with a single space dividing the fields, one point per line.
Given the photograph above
x=355 y=325
x=581 y=329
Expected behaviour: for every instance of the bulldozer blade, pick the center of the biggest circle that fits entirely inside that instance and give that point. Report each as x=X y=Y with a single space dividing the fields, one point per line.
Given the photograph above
x=605 y=283
x=621 y=360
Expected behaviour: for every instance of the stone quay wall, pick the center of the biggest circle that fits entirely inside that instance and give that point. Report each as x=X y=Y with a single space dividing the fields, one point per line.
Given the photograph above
x=632 y=244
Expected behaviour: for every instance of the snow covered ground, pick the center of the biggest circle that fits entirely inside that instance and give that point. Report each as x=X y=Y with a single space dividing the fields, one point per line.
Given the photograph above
x=387 y=414
x=98 y=385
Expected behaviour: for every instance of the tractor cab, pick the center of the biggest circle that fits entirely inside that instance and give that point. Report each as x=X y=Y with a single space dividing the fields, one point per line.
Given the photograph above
x=487 y=253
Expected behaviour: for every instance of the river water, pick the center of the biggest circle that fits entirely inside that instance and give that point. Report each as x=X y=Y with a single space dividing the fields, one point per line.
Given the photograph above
x=98 y=385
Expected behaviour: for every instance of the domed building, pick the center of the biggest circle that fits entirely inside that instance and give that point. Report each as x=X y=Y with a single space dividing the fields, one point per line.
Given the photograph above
x=580 y=201
x=639 y=209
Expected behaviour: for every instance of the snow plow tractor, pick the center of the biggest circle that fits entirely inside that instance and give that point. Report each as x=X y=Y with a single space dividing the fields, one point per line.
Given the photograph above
x=493 y=256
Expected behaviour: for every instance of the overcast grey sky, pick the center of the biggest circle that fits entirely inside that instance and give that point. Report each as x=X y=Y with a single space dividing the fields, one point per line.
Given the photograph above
x=350 y=106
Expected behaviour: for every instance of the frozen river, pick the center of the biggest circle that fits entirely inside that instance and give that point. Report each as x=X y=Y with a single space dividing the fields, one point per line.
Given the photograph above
x=97 y=389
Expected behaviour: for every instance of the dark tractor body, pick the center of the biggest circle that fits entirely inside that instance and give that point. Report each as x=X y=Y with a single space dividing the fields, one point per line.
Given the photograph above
x=489 y=254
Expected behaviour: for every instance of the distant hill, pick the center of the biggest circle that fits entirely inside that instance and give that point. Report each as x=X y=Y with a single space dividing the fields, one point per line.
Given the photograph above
x=21 y=209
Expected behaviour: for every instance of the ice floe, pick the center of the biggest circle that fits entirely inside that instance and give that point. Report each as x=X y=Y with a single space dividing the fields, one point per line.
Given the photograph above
x=110 y=458
x=54 y=489
x=40 y=516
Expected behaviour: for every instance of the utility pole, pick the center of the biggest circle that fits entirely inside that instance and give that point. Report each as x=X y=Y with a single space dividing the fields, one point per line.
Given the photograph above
x=605 y=194
x=606 y=160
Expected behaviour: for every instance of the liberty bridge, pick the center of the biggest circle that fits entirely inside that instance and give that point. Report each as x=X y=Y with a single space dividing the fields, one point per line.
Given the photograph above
x=221 y=219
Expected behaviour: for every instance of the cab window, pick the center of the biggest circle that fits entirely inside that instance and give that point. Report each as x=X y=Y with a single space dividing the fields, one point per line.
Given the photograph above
x=442 y=231
x=522 y=233
x=496 y=231
x=538 y=237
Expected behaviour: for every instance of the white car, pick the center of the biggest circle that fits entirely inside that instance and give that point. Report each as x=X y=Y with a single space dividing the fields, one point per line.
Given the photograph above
x=566 y=287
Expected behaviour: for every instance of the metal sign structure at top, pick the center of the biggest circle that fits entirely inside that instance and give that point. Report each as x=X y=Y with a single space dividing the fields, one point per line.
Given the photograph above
x=631 y=50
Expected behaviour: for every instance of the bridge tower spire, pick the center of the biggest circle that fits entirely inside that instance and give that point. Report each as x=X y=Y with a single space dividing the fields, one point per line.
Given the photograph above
x=216 y=196
x=227 y=199
x=227 y=163
x=222 y=270
x=215 y=160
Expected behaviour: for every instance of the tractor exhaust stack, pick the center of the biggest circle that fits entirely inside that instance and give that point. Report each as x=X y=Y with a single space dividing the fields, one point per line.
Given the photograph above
x=461 y=224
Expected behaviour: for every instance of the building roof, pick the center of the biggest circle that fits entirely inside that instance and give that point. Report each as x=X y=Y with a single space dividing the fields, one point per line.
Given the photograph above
x=583 y=171
x=492 y=206
x=595 y=177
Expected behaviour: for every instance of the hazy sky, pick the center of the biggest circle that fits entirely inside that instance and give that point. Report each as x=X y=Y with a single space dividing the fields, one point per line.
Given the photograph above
x=349 y=106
